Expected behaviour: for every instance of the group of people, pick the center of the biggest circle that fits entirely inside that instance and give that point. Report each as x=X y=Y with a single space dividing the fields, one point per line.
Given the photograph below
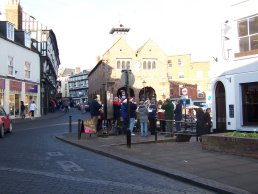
x=31 y=110
x=125 y=115
x=144 y=112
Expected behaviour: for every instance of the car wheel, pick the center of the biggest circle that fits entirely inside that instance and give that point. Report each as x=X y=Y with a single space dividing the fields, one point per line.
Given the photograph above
x=10 y=130
x=1 y=131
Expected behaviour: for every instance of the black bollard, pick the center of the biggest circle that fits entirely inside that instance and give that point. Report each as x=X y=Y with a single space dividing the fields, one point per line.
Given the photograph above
x=128 y=138
x=79 y=129
x=70 y=123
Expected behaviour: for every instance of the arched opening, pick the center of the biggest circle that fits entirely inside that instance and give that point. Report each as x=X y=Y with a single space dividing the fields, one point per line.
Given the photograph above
x=147 y=93
x=220 y=101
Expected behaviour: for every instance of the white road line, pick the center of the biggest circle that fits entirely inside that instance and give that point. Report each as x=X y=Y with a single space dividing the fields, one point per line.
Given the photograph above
x=54 y=154
x=69 y=166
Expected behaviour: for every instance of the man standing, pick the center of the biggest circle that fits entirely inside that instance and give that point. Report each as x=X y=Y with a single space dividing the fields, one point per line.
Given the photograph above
x=168 y=106
x=94 y=111
x=178 y=115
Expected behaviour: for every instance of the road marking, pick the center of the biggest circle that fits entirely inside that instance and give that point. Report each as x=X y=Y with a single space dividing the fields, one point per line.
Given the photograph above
x=55 y=154
x=69 y=166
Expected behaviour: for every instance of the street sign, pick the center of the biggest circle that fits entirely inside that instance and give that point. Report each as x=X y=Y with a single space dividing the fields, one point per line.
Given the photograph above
x=131 y=78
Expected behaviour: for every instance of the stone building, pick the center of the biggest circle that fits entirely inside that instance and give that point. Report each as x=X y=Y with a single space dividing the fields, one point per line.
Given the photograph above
x=151 y=68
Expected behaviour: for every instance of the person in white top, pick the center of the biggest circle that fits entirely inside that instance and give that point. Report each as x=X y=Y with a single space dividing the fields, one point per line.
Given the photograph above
x=33 y=108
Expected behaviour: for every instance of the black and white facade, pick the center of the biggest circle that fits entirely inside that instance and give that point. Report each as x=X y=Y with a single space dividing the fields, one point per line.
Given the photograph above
x=44 y=40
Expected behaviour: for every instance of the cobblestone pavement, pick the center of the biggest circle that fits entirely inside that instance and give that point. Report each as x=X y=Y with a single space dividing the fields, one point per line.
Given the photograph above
x=33 y=161
x=224 y=173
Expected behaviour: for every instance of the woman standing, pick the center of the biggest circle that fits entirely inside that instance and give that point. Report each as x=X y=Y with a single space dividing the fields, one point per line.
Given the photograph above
x=142 y=115
x=22 y=110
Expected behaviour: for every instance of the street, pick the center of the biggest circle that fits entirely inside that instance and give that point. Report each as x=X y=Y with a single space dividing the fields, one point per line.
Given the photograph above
x=33 y=161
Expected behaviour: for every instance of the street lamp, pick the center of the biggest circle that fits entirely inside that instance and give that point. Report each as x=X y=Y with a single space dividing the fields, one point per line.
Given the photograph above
x=144 y=84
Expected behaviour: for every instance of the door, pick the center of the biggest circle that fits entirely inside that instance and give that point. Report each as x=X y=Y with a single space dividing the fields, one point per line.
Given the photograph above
x=220 y=107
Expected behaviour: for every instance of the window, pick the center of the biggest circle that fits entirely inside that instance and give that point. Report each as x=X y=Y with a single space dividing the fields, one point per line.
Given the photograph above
x=180 y=62
x=123 y=64
x=169 y=63
x=10 y=65
x=149 y=65
x=10 y=31
x=128 y=64
x=181 y=75
x=248 y=34
x=250 y=103
x=118 y=65
x=27 y=70
x=153 y=65
x=27 y=40
x=144 y=65
x=200 y=93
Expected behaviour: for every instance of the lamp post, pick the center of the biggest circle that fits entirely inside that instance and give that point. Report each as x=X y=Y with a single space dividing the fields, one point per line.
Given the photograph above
x=144 y=84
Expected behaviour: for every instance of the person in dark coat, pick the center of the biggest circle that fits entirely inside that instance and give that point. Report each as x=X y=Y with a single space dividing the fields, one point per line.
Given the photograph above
x=94 y=111
x=133 y=107
x=168 y=106
x=199 y=122
x=152 y=116
x=116 y=115
x=178 y=115
x=207 y=121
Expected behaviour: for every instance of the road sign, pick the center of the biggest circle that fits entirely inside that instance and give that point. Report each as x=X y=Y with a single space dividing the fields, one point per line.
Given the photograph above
x=131 y=78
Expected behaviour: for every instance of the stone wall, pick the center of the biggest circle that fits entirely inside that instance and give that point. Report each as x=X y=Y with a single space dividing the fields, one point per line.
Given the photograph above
x=233 y=145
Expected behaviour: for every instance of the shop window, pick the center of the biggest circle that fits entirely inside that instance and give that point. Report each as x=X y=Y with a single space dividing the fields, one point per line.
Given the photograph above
x=250 y=103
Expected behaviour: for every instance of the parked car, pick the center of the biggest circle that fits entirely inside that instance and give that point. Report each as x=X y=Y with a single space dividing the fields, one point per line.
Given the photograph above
x=5 y=123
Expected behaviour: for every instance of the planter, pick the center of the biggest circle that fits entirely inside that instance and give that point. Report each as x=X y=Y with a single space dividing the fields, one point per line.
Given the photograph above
x=241 y=146
x=183 y=137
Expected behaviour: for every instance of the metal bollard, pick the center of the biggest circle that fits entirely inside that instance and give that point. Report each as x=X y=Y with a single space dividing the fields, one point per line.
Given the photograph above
x=70 y=123
x=79 y=129
x=128 y=138
x=156 y=136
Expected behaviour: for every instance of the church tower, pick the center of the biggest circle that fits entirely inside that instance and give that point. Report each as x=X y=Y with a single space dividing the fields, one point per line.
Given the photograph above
x=118 y=32
x=14 y=13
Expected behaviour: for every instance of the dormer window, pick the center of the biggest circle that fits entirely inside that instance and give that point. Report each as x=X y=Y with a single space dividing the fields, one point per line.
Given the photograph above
x=27 y=41
x=10 y=31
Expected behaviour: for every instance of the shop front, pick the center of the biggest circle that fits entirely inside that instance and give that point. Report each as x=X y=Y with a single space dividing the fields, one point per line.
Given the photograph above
x=31 y=92
x=14 y=98
x=2 y=87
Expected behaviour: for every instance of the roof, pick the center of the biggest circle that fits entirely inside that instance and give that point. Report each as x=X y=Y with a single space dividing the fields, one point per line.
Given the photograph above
x=248 y=68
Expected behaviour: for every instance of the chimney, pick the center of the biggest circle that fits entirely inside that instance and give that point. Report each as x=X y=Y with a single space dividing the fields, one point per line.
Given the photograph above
x=77 y=69
x=14 y=13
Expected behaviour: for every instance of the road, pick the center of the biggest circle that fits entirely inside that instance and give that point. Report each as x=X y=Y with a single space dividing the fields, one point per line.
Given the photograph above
x=32 y=161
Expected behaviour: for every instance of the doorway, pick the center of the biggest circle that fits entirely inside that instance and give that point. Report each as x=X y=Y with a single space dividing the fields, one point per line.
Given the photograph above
x=14 y=105
x=220 y=99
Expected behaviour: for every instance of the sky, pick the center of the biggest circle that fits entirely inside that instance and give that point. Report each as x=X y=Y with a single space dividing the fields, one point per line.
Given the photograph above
x=177 y=26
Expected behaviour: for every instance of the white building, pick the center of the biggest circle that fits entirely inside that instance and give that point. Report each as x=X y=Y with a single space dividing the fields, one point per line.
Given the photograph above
x=20 y=70
x=235 y=91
